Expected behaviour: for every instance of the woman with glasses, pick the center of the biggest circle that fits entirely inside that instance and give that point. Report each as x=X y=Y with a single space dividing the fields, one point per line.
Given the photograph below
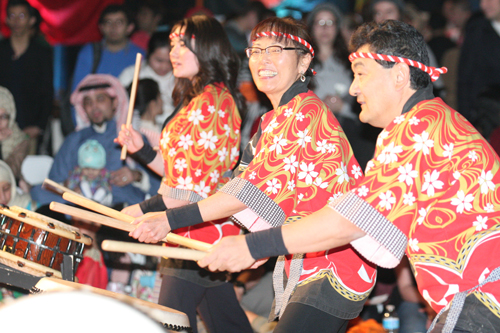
x=199 y=143
x=297 y=162
x=331 y=63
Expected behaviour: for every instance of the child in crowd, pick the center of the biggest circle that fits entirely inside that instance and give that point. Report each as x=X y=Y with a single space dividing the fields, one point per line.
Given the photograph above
x=90 y=177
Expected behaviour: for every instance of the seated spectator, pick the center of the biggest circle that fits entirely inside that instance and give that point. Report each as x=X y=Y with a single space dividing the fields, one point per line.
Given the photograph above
x=10 y=194
x=157 y=67
x=14 y=143
x=90 y=178
x=148 y=105
x=148 y=18
x=101 y=105
x=114 y=52
x=26 y=70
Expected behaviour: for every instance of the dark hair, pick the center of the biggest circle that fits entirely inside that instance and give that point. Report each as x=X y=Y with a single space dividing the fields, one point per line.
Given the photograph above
x=158 y=40
x=112 y=9
x=147 y=91
x=13 y=3
x=398 y=39
x=217 y=59
x=339 y=45
x=286 y=25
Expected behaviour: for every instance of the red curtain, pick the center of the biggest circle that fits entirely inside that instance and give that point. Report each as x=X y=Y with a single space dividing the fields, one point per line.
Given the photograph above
x=67 y=22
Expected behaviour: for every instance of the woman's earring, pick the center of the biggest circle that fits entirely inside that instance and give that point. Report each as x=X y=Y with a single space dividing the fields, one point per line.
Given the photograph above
x=302 y=77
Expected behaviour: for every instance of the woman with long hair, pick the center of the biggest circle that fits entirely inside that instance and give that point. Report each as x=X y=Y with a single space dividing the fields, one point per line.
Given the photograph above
x=331 y=62
x=297 y=162
x=199 y=144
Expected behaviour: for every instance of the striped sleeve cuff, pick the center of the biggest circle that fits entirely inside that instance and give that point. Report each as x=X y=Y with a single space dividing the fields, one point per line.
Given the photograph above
x=384 y=244
x=256 y=200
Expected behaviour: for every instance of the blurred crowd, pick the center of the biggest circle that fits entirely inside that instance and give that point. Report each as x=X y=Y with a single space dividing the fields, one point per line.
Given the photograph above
x=68 y=135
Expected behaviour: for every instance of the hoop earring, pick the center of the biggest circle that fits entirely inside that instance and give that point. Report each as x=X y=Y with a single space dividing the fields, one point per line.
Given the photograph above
x=302 y=77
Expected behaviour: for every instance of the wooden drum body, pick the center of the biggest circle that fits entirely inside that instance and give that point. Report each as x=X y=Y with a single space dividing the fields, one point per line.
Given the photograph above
x=27 y=237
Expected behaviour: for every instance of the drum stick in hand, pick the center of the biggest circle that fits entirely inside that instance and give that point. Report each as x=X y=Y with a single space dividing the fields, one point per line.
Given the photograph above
x=152 y=250
x=115 y=222
x=131 y=104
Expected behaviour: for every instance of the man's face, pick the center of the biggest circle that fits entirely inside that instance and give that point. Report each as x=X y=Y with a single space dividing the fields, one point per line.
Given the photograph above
x=99 y=106
x=374 y=89
x=19 y=20
x=385 y=10
x=491 y=9
x=115 y=28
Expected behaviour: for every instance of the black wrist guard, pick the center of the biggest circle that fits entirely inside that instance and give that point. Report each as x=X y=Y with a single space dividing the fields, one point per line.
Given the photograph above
x=153 y=204
x=266 y=243
x=145 y=155
x=184 y=216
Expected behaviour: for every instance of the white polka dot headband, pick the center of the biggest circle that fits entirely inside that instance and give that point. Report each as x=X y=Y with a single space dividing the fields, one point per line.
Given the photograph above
x=432 y=71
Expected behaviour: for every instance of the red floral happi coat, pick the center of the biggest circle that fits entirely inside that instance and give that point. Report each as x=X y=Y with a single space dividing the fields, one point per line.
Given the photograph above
x=198 y=145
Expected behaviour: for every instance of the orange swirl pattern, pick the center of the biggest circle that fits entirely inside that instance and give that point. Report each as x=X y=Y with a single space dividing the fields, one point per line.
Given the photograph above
x=436 y=178
x=303 y=159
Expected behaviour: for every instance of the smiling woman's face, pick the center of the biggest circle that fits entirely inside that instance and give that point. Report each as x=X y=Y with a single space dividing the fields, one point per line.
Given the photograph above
x=273 y=74
x=184 y=61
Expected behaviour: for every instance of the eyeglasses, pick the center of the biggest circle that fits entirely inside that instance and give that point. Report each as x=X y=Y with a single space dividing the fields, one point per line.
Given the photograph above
x=323 y=23
x=272 y=50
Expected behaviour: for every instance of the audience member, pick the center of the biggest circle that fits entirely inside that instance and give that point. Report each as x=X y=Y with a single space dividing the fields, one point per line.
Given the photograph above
x=457 y=14
x=239 y=26
x=157 y=67
x=114 y=52
x=478 y=65
x=148 y=105
x=26 y=70
x=90 y=178
x=101 y=105
x=13 y=142
x=439 y=42
x=148 y=18
x=10 y=194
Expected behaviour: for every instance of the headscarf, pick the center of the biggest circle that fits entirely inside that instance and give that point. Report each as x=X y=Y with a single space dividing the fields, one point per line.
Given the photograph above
x=115 y=90
x=16 y=199
x=17 y=136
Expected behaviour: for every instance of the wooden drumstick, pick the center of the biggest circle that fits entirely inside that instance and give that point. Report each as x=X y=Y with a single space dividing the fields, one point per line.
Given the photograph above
x=125 y=226
x=131 y=103
x=152 y=250
x=52 y=185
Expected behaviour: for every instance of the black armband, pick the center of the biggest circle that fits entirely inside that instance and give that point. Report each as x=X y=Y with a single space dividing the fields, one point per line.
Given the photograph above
x=153 y=204
x=145 y=155
x=184 y=216
x=266 y=243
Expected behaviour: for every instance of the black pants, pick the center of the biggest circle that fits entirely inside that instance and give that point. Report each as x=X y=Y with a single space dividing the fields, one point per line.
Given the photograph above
x=301 y=318
x=474 y=318
x=217 y=306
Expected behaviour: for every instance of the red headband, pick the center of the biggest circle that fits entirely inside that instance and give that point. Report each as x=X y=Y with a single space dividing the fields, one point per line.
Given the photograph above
x=180 y=35
x=432 y=71
x=292 y=37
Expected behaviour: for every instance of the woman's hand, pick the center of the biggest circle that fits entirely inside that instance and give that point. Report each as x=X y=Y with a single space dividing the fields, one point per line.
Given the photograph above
x=230 y=254
x=153 y=227
x=133 y=210
x=130 y=137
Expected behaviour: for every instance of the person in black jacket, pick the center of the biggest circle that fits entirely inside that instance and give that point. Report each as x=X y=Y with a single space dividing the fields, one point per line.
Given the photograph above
x=479 y=67
x=26 y=69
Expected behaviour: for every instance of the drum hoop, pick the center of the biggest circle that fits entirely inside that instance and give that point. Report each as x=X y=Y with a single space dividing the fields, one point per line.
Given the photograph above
x=56 y=228
x=27 y=266
x=154 y=310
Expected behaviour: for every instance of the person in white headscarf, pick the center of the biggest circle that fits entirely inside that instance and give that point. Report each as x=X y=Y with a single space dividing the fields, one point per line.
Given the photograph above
x=13 y=142
x=10 y=195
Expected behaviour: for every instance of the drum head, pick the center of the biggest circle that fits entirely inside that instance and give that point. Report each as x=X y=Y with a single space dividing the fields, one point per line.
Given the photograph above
x=74 y=311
